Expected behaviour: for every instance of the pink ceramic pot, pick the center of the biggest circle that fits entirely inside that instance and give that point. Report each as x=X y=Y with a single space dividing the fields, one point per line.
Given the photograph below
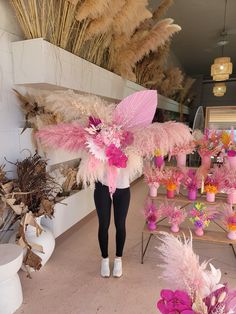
x=206 y=162
x=210 y=197
x=170 y=193
x=174 y=228
x=151 y=225
x=231 y=235
x=232 y=162
x=231 y=198
x=181 y=160
x=159 y=161
x=199 y=232
x=192 y=194
x=153 y=190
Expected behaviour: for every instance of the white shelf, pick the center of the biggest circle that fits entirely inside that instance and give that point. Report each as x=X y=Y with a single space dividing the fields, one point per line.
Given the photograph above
x=77 y=206
x=37 y=63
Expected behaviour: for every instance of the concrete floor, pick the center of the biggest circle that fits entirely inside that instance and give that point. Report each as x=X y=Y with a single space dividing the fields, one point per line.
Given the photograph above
x=70 y=283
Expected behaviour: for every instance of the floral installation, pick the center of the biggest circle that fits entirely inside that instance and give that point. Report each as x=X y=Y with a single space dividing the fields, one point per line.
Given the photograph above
x=209 y=143
x=195 y=287
x=175 y=214
x=152 y=175
x=229 y=217
x=105 y=143
x=214 y=181
x=172 y=178
x=201 y=216
x=151 y=213
x=229 y=181
x=227 y=139
x=191 y=180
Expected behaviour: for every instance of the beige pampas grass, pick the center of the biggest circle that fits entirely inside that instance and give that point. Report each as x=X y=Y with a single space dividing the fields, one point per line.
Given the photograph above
x=103 y=23
x=141 y=45
x=187 y=84
x=172 y=83
x=129 y=18
x=92 y=9
x=162 y=9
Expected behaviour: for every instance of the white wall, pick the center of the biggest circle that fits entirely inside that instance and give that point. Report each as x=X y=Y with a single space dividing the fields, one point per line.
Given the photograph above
x=11 y=116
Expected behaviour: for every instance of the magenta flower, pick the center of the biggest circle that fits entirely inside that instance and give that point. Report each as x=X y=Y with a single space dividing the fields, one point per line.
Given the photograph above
x=175 y=302
x=94 y=121
x=231 y=153
x=116 y=157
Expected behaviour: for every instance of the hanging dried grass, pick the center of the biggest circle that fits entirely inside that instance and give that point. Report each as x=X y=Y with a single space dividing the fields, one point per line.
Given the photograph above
x=141 y=45
x=187 y=84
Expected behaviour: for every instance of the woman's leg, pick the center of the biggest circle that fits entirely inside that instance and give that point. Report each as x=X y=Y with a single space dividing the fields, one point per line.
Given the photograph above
x=102 y=201
x=121 y=200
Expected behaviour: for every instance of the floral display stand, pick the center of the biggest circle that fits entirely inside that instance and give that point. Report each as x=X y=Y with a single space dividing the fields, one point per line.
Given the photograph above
x=216 y=236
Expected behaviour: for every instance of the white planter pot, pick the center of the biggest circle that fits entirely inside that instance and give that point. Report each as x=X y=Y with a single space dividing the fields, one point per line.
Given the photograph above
x=11 y=256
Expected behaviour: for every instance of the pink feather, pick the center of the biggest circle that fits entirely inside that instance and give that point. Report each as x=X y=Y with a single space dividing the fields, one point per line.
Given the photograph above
x=69 y=136
x=136 y=110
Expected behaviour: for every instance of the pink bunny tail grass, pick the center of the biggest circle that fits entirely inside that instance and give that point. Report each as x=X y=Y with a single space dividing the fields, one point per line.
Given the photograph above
x=136 y=110
x=71 y=137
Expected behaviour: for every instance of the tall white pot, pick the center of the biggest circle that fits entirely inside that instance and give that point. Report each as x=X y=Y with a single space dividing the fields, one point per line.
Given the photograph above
x=45 y=239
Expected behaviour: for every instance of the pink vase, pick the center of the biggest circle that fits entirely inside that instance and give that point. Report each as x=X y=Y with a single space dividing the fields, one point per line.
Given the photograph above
x=170 y=193
x=153 y=190
x=206 y=162
x=231 y=197
x=151 y=225
x=210 y=197
x=174 y=228
x=199 y=232
x=181 y=160
x=231 y=235
x=232 y=162
x=192 y=194
x=159 y=161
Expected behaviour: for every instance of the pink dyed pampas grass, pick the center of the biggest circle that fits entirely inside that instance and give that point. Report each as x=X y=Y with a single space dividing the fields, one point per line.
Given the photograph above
x=71 y=137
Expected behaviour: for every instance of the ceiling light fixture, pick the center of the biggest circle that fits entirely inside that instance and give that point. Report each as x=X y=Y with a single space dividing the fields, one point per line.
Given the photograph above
x=222 y=67
x=219 y=89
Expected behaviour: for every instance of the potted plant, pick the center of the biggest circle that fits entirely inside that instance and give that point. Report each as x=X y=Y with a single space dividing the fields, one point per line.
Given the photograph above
x=152 y=214
x=172 y=178
x=175 y=214
x=201 y=217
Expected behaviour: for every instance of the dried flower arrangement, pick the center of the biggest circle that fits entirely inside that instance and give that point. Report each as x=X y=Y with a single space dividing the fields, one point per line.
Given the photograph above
x=152 y=175
x=209 y=143
x=172 y=178
x=194 y=288
x=229 y=218
x=151 y=213
x=104 y=32
x=214 y=181
x=175 y=214
x=201 y=216
x=190 y=180
x=23 y=199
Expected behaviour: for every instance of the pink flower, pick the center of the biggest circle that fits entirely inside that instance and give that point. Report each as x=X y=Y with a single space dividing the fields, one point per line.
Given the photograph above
x=231 y=153
x=175 y=302
x=94 y=121
x=127 y=138
x=116 y=157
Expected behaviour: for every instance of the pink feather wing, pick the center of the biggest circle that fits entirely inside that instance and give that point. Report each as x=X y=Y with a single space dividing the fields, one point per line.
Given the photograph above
x=71 y=137
x=136 y=110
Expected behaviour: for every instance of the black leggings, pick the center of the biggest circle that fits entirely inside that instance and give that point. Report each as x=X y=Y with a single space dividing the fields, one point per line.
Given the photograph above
x=102 y=199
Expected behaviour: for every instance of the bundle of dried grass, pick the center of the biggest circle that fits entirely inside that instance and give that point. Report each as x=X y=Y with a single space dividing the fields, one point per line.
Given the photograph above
x=34 y=186
x=92 y=9
x=150 y=70
x=53 y=20
x=141 y=44
x=36 y=116
x=172 y=83
x=184 y=92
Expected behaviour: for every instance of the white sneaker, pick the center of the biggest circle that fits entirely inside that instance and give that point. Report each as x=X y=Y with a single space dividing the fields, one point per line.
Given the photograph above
x=117 y=270
x=105 y=268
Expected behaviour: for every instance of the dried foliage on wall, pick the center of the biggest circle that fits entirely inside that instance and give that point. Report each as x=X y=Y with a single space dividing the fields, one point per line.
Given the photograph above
x=113 y=34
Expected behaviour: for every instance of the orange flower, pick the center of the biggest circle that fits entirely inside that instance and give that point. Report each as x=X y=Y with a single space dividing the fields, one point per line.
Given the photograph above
x=171 y=186
x=211 y=188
